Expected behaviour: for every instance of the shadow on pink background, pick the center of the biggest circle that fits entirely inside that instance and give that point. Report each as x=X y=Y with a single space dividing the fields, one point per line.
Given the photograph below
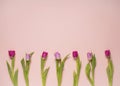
x=64 y=26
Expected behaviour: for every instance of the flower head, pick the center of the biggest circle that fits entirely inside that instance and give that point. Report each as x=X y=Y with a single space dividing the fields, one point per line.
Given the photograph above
x=75 y=54
x=57 y=56
x=107 y=53
x=28 y=57
x=89 y=56
x=44 y=55
x=11 y=54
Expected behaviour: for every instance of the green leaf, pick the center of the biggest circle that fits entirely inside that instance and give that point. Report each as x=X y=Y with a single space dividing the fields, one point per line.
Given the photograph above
x=31 y=54
x=66 y=57
x=59 y=69
x=10 y=71
x=78 y=63
x=25 y=71
x=13 y=63
x=77 y=73
x=63 y=62
x=43 y=62
x=27 y=68
x=74 y=78
x=93 y=62
x=16 y=78
x=57 y=65
x=46 y=71
x=87 y=70
x=26 y=80
x=110 y=71
x=23 y=64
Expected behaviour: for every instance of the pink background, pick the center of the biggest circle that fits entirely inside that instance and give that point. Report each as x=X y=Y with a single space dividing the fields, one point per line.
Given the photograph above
x=63 y=26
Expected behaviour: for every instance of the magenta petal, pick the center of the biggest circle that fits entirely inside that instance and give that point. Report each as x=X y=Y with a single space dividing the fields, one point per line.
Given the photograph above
x=75 y=54
x=44 y=55
x=11 y=54
x=107 y=53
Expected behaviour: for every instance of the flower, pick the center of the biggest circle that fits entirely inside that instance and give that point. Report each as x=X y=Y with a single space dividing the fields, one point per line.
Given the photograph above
x=11 y=53
x=44 y=55
x=28 y=57
x=89 y=56
x=75 y=54
x=57 y=56
x=107 y=53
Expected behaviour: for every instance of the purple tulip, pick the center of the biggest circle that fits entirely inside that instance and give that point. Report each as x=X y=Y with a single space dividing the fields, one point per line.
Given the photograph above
x=11 y=54
x=57 y=56
x=44 y=55
x=75 y=54
x=89 y=56
x=107 y=53
x=28 y=57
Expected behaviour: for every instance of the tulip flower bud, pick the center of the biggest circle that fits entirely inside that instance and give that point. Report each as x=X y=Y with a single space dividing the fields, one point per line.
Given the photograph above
x=89 y=56
x=107 y=53
x=11 y=54
x=57 y=56
x=75 y=54
x=28 y=57
x=44 y=55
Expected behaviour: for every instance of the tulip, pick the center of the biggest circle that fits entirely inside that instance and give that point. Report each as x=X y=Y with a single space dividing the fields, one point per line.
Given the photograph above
x=57 y=56
x=44 y=71
x=28 y=57
x=11 y=68
x=26 y=67
x=89 y=56
x=90 y=68
x=75 y=54
x=76 y=73
x=59 y=67
x=110 y=67
x=107 y=53
x=11 y=54
x=44 y=55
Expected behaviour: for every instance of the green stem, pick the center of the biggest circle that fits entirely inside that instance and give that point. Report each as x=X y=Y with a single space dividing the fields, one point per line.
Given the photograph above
x=15 y=84
x=42 y=71
x=93 y=83
x=92 y=77
x=77 y=81
x=59 y=76
x=60 y=80
x=43 y=82
x=27 y=81
x=110 y=83
x=13 y=66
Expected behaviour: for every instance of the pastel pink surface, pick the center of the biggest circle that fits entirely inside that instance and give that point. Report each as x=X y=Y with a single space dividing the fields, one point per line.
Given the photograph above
x=64 y=26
